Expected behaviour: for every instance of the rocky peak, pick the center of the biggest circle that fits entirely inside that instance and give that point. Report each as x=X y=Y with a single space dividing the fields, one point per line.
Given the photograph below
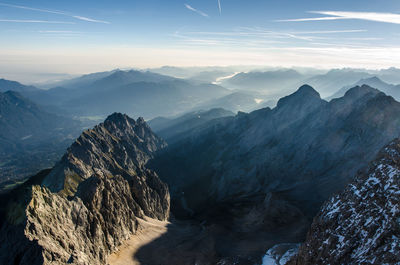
x=303 y=95
x=117 y=117
x=90 y=201
x=119 y=146
x=297 y=106
x=358 y=92
x=307 y=89
x=362 y=224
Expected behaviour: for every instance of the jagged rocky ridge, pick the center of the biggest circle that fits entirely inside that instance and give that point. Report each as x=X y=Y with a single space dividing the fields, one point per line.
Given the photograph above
x=268 y=172
x=361 y=225
x=88 y=203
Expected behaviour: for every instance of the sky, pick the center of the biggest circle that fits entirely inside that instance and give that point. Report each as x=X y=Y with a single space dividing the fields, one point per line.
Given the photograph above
x=75 y=37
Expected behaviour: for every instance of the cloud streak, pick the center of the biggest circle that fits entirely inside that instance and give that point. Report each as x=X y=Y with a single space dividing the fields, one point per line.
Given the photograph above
x=392 y=18
x=219 y=7
x=34 y=21
x=261 y=38
x=90 y=19
x=201 y=13
x=57 y=12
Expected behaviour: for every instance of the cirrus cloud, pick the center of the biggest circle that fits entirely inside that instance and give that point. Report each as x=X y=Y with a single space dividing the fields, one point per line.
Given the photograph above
x=201 y=13
x=340 y=15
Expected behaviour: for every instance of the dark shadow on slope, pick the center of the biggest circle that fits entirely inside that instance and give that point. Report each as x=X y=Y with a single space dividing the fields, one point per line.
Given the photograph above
x=237 y=232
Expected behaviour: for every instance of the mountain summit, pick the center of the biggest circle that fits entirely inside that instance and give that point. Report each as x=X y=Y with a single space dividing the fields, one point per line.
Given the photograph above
x=303 y=95
x=90 y=201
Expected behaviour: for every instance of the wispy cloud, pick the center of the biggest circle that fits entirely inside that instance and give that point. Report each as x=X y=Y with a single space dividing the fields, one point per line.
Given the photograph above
x=91 y=19
x=201 y=13
x=332 y=31
x=310 y=19
x=60 y=33
x=34 y=21
x=219 y=7
x=261 y=38
x=57 y=12
x=339 y=15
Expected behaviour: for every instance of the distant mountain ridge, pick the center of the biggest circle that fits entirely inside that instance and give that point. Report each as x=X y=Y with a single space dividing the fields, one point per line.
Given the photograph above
x=30 y=137
x=273 y=83
x=24 y=121
x=328 y=83
x=389 y=89
x=7 y=85
x=134 y=92
x=239 y=101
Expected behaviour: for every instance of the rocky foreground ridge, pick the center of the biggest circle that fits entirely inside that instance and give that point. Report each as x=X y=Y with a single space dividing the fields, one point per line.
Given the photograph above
x=87 y=205
x=361 y=225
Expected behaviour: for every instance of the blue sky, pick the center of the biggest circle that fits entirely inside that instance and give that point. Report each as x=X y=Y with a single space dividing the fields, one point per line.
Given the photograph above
x=84 y=36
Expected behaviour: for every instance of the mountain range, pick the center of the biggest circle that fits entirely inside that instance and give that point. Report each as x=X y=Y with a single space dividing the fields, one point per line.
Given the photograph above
x=138 y=93
x=272 y=83
x=207 y=187
x=389 y=89
x=134 y=92
x=269 y=171
x=7 y=85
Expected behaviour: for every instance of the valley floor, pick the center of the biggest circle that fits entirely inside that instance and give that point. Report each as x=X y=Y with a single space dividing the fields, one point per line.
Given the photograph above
x=149 y=230
x=162 y=242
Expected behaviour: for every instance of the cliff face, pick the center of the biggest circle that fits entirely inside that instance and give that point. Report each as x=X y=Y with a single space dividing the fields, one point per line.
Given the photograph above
x=88 y=204
x=362 y=224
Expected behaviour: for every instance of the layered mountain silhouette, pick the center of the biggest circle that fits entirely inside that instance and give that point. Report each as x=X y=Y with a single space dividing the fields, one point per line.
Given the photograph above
x=137 y=93
x=239 y=101
x=24 y=122
x=389 y=89
x=7 y=85
x=327 y=84
x=30 y=137
x=273 y=83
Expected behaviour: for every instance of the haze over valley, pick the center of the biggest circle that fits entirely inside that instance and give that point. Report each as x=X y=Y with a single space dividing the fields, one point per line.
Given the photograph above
x=199 y=133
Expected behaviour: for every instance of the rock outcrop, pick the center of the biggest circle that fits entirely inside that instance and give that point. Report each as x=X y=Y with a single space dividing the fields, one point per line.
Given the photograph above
x=88 y=204
x=362 y=224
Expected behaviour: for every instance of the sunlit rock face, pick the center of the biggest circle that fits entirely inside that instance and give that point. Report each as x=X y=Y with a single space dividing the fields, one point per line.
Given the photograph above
x=87 y=205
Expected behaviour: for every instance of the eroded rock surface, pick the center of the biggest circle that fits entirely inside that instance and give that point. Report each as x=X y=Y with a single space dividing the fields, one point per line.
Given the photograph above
x=88 y=204
x=362 y=224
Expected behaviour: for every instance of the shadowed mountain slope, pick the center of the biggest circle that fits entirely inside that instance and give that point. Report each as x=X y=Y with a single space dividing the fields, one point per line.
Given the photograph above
x=303 y=150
